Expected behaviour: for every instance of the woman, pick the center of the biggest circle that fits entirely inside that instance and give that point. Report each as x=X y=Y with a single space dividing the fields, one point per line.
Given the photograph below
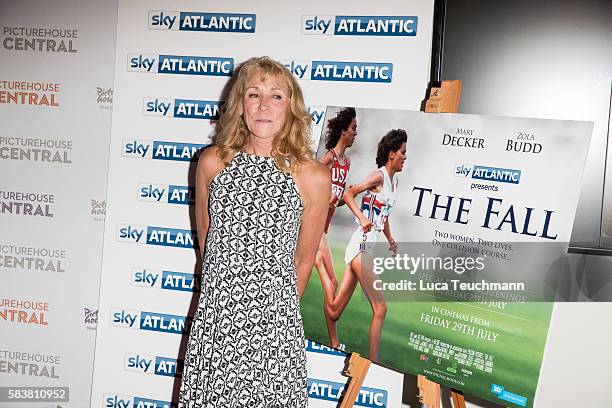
x=341 y=133
x=373 y=218
x=261 y=197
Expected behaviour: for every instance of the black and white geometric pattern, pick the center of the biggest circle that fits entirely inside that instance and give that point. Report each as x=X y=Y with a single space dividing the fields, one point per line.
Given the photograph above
x=246 y=346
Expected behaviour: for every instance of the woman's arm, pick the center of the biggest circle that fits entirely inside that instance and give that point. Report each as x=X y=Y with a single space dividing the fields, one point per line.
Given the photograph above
x=327 y=160
x=209 y=165
x=387 y=232
x=314 y=182
x=374 y=180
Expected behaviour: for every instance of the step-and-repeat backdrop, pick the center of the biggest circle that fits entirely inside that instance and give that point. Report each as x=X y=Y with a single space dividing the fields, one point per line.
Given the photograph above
x=172 y=67
x=56 y=94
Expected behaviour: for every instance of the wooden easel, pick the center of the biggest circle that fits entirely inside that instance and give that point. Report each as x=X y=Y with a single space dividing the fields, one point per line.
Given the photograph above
x=444 y=99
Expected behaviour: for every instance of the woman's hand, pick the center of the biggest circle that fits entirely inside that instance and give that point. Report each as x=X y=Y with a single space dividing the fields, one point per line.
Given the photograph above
x=393 y=246
x=366 y=225
x=333 y=201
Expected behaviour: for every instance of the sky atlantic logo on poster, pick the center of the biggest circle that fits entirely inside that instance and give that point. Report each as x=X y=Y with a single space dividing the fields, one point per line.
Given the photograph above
x=343 y=71
x=388 y=26
x=332 y=391
x=160 y=236
x=29 y=93
x=485 y=173
x=181 y=64
x=156 y=365
x=28 y=363
x=59 y=40
x=196 y=21
x=182 y=108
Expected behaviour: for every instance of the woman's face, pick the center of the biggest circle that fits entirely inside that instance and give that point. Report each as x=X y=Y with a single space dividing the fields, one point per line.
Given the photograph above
x=349 y=134
x=397 y=158
x=265 y=105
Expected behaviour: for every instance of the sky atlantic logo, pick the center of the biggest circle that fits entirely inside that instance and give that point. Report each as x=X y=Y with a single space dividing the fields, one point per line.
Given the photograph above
x=485 y=173
x=314 y=347
x=332 y=391
x=161 y=150
x=155 y=365
x=125 y=401
x=317 y=114
x=181 y=108
x=181 y=64
x=150 y=321
x=167 y=280
x=206 y=22
x=159 y=236
x=166 y=193
x=343 y=71
x=388 y=26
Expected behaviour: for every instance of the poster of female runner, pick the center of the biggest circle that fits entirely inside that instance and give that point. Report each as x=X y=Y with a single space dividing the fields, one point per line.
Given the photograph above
x=445 y=235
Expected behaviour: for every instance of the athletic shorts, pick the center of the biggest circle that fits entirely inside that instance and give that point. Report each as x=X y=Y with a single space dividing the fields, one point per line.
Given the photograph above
x=361 y=242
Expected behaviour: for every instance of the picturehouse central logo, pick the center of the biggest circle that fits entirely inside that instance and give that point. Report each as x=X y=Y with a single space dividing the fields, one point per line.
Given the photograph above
x=27 y=363
x=36 y=149
x=60 y=40
x=17 y=257
x=29 y=93
x=26 y=204
x=29 y=312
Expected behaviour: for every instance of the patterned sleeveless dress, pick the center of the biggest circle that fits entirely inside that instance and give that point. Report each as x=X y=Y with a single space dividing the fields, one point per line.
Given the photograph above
x=246 y=345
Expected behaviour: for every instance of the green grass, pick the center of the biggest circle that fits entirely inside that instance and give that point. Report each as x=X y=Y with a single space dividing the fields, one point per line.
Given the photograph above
x=517 y=352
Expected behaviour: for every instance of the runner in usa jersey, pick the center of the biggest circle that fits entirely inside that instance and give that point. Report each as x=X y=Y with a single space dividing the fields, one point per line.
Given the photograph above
x=339 y=173
x=372 y=217
x=341 y=133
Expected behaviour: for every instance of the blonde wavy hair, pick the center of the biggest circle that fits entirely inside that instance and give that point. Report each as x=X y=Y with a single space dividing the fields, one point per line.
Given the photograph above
x=292 y=144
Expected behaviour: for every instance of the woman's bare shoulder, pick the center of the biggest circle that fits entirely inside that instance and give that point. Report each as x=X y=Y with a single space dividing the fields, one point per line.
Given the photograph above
x=209 y=163
x=314 y=173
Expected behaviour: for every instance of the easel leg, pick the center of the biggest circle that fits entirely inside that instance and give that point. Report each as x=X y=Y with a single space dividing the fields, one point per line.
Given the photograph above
x=357 y=370
x=429 y=392
x=458 y=399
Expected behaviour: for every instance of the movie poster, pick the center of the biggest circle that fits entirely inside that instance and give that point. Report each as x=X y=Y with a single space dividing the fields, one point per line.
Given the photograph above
x=445 y=237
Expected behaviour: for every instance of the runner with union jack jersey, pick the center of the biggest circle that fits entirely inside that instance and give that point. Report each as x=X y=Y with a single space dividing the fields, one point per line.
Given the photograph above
x=380 y=190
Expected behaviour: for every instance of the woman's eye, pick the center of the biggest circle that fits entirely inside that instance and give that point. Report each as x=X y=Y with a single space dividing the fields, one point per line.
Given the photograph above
x=252 y=95
x=277 y=97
